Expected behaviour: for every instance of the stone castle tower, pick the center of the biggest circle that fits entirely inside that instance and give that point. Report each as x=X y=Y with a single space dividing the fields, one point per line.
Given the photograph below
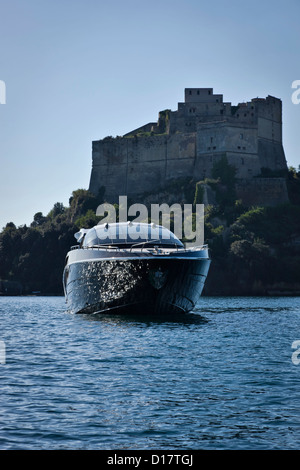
x=187 y=142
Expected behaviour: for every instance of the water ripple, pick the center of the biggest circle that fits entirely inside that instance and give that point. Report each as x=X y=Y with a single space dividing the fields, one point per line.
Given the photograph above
x=219 y=378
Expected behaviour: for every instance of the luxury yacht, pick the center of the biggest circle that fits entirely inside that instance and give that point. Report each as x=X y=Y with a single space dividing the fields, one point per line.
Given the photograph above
x=133 y=268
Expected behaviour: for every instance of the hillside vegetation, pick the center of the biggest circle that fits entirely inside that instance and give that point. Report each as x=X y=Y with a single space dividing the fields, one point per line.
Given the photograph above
x=254 y=250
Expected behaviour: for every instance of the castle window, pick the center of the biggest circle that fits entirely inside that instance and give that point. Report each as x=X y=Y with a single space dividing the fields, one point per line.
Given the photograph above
x=209 y=92
x=190 y=92
x=208 y=148
x=245 y=114
x=221 y=111
x=214 y=148
x=217 y=100
x=211 y=140
x=198 y=92
x=239 y=147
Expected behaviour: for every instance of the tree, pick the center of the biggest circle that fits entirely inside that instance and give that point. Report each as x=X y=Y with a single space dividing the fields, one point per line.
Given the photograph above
x=225 y=173
x=89 y=220
x=80 y=202
x=58 y=209
x=38 y=219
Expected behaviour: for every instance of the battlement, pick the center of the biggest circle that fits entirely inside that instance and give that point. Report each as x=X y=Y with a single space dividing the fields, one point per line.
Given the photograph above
x=201 y=95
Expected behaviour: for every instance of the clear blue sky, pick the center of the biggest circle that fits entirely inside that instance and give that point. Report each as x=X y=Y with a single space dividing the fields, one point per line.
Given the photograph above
x=79 y=70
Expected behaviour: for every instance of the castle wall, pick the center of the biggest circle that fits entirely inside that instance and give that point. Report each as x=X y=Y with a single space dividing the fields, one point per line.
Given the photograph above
x=223 y=137
x=204 y=95
x=271 y=155
x=236 y=141
x=141 y=164
x=187 y=143
x=269 y=129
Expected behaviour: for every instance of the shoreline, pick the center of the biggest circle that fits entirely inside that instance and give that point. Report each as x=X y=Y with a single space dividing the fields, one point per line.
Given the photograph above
x=269 y=294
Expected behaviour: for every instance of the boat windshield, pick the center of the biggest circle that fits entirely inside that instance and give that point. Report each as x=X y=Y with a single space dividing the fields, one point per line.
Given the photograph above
x=130 y=235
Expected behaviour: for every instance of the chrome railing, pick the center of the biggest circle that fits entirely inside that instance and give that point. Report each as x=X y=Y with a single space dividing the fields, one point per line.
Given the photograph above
x=135 y=246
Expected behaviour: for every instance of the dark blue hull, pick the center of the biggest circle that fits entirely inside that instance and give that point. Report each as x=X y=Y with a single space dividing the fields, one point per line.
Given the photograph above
x=146 y=286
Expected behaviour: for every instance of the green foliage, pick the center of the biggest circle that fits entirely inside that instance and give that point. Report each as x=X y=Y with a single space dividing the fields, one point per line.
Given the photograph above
x=199 y=192
x=293 y=184
x=88 y=220
x=164 y=117
x=224 y=174
x=252 y=217
x=58 y=209
x=213 y=183
x=183 y=188
x=268 y=173
x=34 y=256
x=144 y=134
x=81 y=201
x=38 y=219
x=224 y=171
x=274 y=224
x=252 y=249
x=165 y=114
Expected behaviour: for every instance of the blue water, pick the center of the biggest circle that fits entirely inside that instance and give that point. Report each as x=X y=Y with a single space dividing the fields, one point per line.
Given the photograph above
x=219 y=378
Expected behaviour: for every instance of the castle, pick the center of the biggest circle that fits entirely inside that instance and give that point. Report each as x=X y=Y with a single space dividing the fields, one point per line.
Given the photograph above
x=186 y=143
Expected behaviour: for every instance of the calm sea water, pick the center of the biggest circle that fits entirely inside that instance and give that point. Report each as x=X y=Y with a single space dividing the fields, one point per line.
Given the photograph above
x=220 y=378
